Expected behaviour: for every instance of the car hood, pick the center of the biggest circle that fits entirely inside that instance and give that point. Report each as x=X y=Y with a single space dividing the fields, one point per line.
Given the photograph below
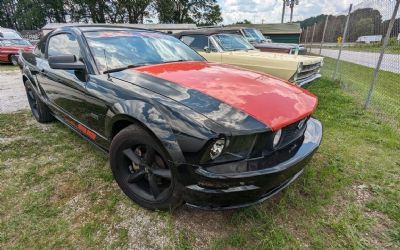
x=271 y=101
x=306 y=60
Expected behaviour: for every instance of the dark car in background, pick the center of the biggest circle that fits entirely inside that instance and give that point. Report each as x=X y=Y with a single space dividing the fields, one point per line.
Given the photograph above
x=257 y=39
x=176 y=128
x=11 y=43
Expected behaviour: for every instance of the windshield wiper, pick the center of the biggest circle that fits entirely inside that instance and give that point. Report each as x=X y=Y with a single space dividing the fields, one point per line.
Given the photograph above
x=124 y=68
x=172 y=61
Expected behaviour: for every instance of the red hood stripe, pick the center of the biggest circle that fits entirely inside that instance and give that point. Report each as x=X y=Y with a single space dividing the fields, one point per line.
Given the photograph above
x=273 y=102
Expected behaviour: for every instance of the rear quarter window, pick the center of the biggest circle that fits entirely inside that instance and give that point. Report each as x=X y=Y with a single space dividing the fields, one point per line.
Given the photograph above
x=197 y=42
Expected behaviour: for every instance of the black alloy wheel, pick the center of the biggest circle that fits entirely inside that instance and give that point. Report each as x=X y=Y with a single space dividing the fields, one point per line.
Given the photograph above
x=141 y=169
x=32 y=100
x=39 y=109
x=147 y=173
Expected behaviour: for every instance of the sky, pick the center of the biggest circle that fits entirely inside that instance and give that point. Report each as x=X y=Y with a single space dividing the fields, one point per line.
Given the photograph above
x=270 y=11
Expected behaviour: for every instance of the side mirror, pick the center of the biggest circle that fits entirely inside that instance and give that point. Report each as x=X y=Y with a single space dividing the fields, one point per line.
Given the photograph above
x=207 y=49
x=68 y=62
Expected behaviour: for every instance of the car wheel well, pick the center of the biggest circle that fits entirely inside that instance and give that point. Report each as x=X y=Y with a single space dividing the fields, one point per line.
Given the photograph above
x=120 y=125
x=125 y=122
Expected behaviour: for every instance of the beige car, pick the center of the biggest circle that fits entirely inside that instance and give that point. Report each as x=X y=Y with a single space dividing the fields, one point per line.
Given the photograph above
x=234 y=49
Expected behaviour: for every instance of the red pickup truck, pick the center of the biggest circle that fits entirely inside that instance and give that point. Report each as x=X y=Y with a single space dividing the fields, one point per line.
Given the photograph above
x=11 y=43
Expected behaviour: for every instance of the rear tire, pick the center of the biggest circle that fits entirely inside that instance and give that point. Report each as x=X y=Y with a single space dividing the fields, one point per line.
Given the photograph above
x=140 y=167
x=39 y=110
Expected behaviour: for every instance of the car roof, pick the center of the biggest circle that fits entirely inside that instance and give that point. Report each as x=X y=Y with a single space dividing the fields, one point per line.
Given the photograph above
x=100 y=27
x=209 y=31
x=9 y=30
x=6 y=29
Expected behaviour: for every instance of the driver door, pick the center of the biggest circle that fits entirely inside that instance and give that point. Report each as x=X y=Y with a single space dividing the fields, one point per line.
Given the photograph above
x=65 y=89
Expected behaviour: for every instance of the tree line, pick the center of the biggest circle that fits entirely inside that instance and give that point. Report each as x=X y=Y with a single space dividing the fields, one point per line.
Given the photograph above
x=363 y=22
x=34 y=14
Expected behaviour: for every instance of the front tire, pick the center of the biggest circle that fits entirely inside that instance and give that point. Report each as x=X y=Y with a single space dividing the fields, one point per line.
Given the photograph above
x=140 y=167
x=39 y=110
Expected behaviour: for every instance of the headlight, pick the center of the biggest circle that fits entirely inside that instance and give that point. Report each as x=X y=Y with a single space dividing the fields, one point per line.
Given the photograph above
x=217 y=148
x=277 y=138
x=300 y=67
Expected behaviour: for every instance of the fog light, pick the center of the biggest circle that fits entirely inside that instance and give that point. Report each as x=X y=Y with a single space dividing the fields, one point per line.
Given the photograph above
x=217 y=148
x=277 y=138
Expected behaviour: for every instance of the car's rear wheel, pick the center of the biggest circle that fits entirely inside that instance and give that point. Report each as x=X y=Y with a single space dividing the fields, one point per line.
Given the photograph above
x=39 y=110
x=14 y=59
x=140 y=167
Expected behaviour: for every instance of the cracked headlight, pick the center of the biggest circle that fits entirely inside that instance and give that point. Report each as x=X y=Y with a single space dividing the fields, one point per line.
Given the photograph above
x=217 y=148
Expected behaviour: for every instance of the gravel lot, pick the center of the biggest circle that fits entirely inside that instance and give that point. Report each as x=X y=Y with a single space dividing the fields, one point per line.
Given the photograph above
x=12 y=92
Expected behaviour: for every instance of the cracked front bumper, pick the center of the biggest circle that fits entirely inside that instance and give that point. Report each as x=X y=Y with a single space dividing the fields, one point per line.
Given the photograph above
x=217 y=191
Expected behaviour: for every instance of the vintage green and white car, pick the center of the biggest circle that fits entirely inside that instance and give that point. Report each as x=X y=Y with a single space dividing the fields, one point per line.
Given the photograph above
x=234 y=49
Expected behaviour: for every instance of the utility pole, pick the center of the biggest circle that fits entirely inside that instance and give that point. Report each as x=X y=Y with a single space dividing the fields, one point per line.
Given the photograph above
x=291 y=4
x=283 y=11
x=323 y=34
x=343 y=41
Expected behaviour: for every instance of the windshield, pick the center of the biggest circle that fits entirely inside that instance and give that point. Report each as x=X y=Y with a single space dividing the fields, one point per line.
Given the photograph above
x=130 y=47
x=254 y=35
x=9 y=35
x=231 y=42
x=12 y=42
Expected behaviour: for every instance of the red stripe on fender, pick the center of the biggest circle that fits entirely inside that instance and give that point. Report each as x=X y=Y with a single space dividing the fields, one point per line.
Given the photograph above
x=273 y=102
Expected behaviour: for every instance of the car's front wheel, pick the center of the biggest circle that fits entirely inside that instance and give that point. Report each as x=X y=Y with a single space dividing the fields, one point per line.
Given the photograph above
x=140 y=167
x=39 y=109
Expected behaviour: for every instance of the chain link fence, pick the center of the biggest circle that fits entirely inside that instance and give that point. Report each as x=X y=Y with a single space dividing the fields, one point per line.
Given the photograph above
x=362 y=52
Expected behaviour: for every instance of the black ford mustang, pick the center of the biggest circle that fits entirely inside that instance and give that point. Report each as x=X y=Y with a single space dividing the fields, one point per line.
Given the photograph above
x=176 y=128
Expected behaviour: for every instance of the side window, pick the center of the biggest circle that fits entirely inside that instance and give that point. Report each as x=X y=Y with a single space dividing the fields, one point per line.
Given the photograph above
x=63 y=44
x=197 y=42
x=40 y=48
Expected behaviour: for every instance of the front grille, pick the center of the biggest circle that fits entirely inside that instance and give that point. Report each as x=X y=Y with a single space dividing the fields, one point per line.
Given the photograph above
x=292 y=133
x=307 y=72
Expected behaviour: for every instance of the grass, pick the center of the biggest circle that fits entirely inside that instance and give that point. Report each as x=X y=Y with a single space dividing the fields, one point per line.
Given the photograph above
x=7 y=67
x=376 y=48
x=57 y=191
x=356 y=80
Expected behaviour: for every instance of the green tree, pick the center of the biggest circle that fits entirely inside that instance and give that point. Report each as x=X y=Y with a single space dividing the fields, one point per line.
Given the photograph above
x=136 y=10
x=188 y=11
x=210 y=16
x=245 y=21
x=7 y=13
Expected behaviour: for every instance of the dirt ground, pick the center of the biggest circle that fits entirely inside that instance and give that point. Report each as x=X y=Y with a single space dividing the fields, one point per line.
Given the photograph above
x=12 y=92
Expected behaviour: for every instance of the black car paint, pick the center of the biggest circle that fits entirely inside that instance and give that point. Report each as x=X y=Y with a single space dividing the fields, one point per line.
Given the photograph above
x=185 y=121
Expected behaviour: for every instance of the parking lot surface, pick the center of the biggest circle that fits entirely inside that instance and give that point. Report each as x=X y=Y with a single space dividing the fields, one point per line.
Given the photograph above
x=12 y=92
x=369 y=59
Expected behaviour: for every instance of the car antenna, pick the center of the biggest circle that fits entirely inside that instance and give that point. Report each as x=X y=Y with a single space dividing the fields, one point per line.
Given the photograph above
x=105 y=58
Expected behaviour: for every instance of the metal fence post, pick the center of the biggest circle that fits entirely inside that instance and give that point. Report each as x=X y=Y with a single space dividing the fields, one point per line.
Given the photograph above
x=312 y=37
x=305 y=40
x=341 y=45
x=385 y=43
x=323 y=34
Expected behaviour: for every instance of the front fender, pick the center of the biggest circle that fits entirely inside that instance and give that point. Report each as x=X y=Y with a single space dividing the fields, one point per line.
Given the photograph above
x=150 y=117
